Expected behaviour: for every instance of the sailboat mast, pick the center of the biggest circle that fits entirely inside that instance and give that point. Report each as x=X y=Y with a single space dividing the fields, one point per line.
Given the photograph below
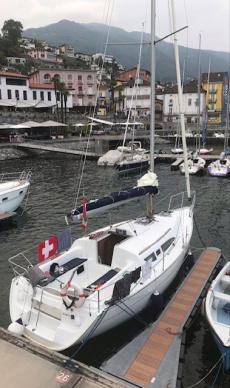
x=152 y=107
x=199 y=91
x=180 y=103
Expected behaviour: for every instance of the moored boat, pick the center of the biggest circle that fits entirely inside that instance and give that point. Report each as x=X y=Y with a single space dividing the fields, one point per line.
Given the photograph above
x=217 y=311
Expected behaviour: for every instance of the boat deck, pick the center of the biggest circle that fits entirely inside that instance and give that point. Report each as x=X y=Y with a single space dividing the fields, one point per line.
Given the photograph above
x=152 y=359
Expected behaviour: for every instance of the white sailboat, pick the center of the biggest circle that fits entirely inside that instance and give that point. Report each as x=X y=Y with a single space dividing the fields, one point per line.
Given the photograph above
x=221 y=166
x=13 y=189
x=217 y=311
x=111 y=273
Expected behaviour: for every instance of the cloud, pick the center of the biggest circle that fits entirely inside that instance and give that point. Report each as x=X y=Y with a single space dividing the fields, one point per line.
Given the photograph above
x=209 y=16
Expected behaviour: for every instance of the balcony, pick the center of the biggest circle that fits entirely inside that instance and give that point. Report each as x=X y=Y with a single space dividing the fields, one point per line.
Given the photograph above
x=80 y=93
x=212 y=100
x=90 y=82
x=80 y=82
x=213 y=91
x=170 y=104
x=47 y=81
x=90 y=93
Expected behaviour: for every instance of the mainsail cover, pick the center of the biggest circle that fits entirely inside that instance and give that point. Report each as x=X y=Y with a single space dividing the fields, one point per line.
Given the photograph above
x=113 y=199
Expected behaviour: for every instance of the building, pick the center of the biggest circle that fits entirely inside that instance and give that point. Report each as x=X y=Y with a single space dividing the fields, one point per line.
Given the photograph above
x=137 y=98
x=107 y=58
x=84 y=57
x=16 y=91
x=67 y=50
x=171 y=109
x=44 y=55
x=15 y=61
x=132 y=73
x=213 y=84
x=103 y=100
x=82 y=84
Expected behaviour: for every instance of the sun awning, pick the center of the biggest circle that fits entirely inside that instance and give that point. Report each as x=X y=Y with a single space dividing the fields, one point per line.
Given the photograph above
x=78 y=125
x=51 y=123
x=32 y=124
x=42 y=104
x=8 y=102
x=19 y=126
x=100 y=121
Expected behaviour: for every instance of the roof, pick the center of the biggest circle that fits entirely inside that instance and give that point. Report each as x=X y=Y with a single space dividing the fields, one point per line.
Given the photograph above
x=132 y=82
x=41 y=86
x=135 y=68
x=213 y=77
x=8 y=74
x=192 y=87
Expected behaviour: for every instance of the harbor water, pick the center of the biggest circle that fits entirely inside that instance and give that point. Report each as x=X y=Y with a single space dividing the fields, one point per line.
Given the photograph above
x=53 y=194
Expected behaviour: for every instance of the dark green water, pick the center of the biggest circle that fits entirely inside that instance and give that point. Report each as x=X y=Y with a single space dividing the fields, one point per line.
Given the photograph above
x=52 y=195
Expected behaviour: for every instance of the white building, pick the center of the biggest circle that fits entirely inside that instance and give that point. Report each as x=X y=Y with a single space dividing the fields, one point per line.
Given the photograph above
x=17 y=91
x=190 y=102
x=136 y=98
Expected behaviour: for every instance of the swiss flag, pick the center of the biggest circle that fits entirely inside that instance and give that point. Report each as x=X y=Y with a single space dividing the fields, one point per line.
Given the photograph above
x=47 y=248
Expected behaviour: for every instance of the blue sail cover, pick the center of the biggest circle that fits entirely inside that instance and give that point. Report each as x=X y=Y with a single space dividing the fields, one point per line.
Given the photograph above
x=224 y=96
x=112 y=199
x=204 y=133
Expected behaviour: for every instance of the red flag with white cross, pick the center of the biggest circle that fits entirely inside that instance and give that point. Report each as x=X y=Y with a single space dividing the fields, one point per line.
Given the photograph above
x=47 y=248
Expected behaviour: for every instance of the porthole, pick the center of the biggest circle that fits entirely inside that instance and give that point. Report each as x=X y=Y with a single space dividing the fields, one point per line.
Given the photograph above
x=4 y=199
x=80 y=269
x=20 y=192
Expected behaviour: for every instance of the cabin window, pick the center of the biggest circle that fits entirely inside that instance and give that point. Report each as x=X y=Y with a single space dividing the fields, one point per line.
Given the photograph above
x=4 y=199
x=167 y=244
x=80 y=269
x=21 y=192
x=158 y=252
x=151 y=257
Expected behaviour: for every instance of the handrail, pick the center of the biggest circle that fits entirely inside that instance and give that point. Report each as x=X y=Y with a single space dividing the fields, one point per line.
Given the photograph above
x=13 y=176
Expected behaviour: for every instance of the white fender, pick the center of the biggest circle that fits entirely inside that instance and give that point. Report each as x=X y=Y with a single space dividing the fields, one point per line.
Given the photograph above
x=79 y=294
x=16 y=327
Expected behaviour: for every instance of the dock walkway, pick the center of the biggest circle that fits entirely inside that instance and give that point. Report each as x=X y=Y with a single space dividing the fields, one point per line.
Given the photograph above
x=42 y=147
x=152 y=359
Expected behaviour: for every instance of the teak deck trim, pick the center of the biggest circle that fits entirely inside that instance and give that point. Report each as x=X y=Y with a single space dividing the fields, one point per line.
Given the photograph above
x=148 y=360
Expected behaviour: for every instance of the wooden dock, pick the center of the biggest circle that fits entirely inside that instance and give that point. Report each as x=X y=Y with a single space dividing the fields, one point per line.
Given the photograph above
x=42 y=147
x=144 y=368
x=154 y=358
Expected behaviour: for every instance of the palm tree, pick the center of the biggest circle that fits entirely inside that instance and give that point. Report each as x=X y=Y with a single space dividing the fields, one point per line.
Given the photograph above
x=61 y=87
x=56 y=82
x=65 y=94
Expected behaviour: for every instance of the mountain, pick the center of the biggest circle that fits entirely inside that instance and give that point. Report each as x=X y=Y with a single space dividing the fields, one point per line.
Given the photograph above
x=90 y=39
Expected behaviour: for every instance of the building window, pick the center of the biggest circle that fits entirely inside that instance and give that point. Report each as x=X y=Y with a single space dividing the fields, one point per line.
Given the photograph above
x=34 y=95
x=17 y=94
x=58 y=96
x=79 y=78
x=170 y=111
x=0 y=94
x=80 y=102
x=9 y=95
x=90 y=90
x=90 y=101
x=89 y=79
x=189 y=102
x=47 y=78
x=69 y=79
x=49 y=96
x=24 y=95
x=42 y=96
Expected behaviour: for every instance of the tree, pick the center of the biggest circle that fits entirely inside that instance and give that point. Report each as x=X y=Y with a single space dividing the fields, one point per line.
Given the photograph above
x=13 y=30
x=66 y=93
x=112 y=84
x=61 y=88
x=56 y=82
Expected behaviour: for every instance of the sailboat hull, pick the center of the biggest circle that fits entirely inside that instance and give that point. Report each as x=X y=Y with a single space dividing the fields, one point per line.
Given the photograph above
x=12 y=195
x=220 y=168
x=156 y=249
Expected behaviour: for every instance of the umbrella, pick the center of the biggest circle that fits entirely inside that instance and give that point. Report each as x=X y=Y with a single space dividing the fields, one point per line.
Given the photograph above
x=19 y=126
x=32 y=124
x=51 y=123
x=78 y=125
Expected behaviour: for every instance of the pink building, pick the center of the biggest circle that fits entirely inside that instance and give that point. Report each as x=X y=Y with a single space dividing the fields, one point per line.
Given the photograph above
x=44 y=55
x=82 y=83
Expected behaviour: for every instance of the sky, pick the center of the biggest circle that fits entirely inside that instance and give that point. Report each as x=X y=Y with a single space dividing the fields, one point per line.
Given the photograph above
x=210 y=18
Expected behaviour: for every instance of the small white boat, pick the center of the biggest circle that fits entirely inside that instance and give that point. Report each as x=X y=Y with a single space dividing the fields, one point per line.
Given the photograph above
x=195 y=165
x=13 y=189
x=218 y=135
x=220 y=167
x=217 y=311
x=205 y=151
x=111 y=158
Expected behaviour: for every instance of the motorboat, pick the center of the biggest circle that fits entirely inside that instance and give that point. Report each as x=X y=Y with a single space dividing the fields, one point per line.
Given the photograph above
x=217 y=312
x=110 y=158
x=218 y=135
x=220 y=167
x=196 y=164
x=133 y=163
x=81 y=290
x=13 y=189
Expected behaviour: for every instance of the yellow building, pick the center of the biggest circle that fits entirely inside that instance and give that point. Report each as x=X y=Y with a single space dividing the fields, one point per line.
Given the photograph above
x=213 y=86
